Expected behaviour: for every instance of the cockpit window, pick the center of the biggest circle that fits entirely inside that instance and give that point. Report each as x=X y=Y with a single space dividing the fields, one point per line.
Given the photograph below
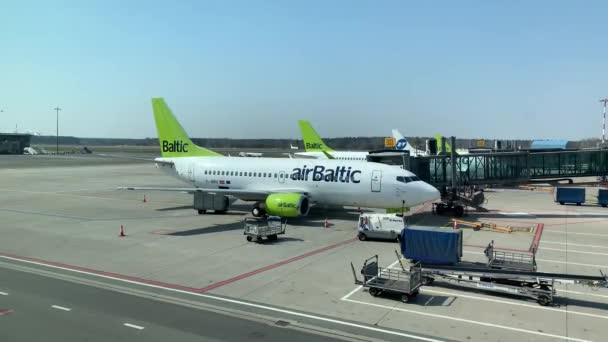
x=404 y=179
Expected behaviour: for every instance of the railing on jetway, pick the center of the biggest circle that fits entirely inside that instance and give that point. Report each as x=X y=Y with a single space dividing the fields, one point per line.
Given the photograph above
x=510 y=167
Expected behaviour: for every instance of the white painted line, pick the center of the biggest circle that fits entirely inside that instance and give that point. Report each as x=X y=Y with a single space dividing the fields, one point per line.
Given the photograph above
x=60 y=308
x=571 y=251
x=242 y=303
x=575 y=233
x=554 y=261
x=515 y=214
x=133 y=326
x=573 y=244
x=3 y=293
x=352 y=292
x=492 y=325
x=582 y=293
x=361 y=286
x=533 y=306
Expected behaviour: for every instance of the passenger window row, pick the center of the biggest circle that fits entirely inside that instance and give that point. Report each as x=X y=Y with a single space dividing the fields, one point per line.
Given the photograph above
x=245 y=174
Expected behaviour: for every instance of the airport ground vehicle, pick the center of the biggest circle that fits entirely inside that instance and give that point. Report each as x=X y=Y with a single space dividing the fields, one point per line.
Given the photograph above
x=379 y=279
x=380 y=226
x=258 y=228
x=570 y=195
x=436 y=245
x=602 y=197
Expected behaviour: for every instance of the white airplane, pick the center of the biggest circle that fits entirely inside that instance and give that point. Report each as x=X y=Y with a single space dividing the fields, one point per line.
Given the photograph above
x=401 y=144
x=316 y=148
x=282 y=187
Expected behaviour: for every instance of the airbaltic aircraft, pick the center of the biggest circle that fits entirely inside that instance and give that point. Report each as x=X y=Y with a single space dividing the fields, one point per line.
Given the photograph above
x=282 y=187
x=316 y=148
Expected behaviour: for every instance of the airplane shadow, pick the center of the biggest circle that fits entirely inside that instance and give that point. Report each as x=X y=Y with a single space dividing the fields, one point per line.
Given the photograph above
x=421 y=299
x=559 y=301
x=181 y=207
x=209 y=230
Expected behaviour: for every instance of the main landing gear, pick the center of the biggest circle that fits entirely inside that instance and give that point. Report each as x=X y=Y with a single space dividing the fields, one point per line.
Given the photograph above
x=258 y=210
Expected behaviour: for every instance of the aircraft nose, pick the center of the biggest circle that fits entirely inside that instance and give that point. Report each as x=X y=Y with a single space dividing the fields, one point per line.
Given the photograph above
x=430 y=192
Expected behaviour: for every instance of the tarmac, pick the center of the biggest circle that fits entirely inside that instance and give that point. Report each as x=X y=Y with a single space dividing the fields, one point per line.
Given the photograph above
x=64 y=219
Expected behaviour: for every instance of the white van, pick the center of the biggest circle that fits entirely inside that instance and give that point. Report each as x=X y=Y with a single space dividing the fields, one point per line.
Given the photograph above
x=380 y=226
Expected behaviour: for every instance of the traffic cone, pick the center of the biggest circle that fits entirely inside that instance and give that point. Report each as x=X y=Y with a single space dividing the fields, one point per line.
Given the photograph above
x=455 y=225
x=145 y=200
x=325 y=224
x=122 y=231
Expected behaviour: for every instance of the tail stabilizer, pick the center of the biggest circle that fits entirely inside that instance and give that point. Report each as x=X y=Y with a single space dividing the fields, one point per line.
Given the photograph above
x=439 y=139
x=401 y=142
x=173 y=139
x=312 y=140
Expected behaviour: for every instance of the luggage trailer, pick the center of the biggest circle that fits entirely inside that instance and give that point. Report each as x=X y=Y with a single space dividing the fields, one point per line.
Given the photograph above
x=504 y=273
x=538 y=286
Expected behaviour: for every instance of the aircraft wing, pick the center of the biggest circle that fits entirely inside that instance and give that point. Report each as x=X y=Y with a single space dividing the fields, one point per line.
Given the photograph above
x=158 y=161
x=243 y=194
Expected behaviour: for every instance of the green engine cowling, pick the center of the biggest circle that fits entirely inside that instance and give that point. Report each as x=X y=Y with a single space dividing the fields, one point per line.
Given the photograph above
x=287 y=205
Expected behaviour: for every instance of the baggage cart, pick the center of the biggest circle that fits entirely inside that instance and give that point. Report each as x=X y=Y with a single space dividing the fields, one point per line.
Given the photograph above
x=381 y=280
x=258 y=228
x=510 y=260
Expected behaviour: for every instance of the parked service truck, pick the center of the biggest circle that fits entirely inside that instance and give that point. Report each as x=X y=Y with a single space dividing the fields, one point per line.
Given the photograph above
x=570 y=195
x=380 y=226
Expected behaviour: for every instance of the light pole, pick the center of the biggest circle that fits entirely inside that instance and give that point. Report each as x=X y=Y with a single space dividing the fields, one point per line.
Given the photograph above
x=57 y=109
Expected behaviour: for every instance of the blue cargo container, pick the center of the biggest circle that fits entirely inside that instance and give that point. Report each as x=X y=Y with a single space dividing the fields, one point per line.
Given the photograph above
x=432 y=245
x=602 y=197
x=570 y=195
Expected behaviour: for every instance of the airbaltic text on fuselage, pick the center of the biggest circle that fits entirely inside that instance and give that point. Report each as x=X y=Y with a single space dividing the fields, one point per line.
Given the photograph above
x=340 y=174
x=175 y=146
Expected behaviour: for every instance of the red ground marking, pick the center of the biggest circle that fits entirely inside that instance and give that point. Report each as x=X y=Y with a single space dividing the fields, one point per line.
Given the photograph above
x=181 y=287
x=108 y=274
x=269 y=267
x=576 y=222
x=536 y=241
x=5 y=312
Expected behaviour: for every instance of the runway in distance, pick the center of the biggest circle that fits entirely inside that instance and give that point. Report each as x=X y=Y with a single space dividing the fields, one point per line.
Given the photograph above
x=281 y=186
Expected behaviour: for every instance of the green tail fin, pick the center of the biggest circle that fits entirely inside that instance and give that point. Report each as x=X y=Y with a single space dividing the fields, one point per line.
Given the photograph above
x=439 y=139
x=173 y=140
x=312 y=140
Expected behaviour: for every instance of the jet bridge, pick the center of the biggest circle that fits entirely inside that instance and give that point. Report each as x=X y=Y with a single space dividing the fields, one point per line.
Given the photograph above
x=509 y=167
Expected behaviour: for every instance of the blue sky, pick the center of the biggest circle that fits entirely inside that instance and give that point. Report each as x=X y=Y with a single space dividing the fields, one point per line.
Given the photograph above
x=239 y=69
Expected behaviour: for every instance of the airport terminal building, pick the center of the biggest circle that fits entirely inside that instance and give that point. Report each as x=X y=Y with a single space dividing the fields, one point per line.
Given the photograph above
x=14 y=143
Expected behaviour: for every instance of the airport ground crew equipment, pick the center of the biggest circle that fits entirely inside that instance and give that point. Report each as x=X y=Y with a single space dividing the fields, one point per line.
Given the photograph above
x=258 y=228
x=492 y=226
x=206 y=201
x=379 y=280
x=570 y=195
x=380 y=226
x=602 y=197
x=510 y=260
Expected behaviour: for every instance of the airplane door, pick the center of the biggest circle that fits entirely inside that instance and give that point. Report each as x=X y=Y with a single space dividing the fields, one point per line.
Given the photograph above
x=191 y=172
x=376 y=181
x=282 y=176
